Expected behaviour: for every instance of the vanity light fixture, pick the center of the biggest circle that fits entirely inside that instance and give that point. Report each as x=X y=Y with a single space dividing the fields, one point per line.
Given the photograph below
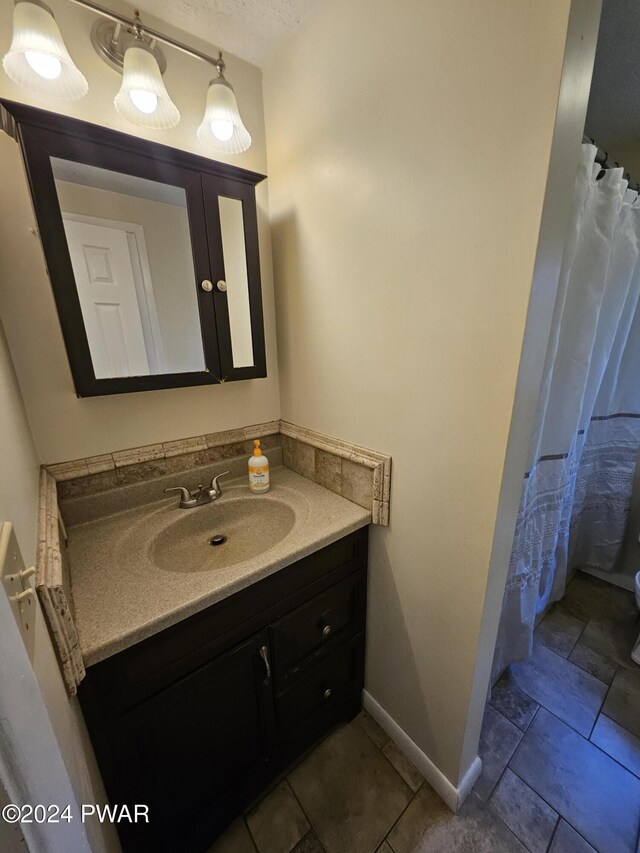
x=38 y=59
x=143 y=98
x=222 y=128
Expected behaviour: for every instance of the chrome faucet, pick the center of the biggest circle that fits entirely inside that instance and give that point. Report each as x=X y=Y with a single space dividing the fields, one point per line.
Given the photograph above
x=202 y=495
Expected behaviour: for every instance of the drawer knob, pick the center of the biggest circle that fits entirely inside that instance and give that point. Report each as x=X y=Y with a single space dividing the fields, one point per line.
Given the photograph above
x=327 y=693
x=326 y=630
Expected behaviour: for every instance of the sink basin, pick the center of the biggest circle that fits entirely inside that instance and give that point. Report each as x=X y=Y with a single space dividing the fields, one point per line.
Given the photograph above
x=251 y=525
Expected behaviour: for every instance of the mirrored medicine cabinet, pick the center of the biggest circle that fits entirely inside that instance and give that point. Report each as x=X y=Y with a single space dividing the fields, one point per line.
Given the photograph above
x=152 y=255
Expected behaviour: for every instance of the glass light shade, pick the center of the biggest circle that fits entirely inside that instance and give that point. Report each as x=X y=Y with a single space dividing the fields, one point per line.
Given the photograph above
x=143 y=98
x=38 y=59
x=222 y=128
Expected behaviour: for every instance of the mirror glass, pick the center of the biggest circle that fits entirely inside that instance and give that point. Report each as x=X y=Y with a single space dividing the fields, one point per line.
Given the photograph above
x=235 y=270
x=130 y=249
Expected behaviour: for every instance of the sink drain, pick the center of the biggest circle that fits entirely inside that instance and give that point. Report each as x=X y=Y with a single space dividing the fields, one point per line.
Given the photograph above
x=218 y=540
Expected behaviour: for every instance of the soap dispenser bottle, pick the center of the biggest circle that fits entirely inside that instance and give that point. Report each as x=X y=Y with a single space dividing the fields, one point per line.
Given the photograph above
x=258 y=470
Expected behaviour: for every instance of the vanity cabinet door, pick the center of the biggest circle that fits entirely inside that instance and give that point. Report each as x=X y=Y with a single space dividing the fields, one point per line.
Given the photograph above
x=196 y=750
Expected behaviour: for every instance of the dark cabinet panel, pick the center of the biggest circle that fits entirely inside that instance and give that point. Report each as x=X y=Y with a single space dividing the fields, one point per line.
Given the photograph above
x=318 y=624
x=321 y=689
x=182 y=751
x=197 y=720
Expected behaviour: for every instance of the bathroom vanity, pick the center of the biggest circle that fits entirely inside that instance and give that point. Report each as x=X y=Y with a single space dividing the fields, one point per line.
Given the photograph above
x=206 y=680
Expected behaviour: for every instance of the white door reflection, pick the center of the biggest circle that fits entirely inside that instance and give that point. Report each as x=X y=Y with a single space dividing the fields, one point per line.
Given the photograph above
x=111 y=268
x=130 y=248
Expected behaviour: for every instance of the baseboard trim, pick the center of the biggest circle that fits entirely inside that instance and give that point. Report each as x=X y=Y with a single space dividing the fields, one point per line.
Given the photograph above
x=453 y=797
x=614 y=578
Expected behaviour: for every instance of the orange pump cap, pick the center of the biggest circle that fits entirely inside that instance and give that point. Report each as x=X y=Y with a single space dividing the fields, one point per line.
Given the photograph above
x=257 y=451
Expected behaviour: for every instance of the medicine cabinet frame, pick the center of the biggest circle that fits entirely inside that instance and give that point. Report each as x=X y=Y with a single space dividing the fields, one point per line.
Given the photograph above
x=43 y=135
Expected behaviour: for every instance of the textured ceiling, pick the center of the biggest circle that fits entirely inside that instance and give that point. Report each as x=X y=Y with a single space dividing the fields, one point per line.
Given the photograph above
x=613 y=117
x=252 y=29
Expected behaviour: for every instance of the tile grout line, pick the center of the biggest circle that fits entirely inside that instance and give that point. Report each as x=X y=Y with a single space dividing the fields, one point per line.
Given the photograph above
x=395 y=769
x=591 y=743
x=584 y=671
x=386 y=757
x=538 y=794
x=397 y=820
x=311 y=826
x=248 y=828
x=520 y=741
x=504 y=770
x=524 y=692
x=560 y=816
x=570 y=725
x=414 y=794
x=497 y=817
x=554 y=833
x=311 y=833
x=494 y=813
x=586 y=625
x=507 y=765
x=604 y=751
x=602 y=704
x=624 y=728
x=604 y=658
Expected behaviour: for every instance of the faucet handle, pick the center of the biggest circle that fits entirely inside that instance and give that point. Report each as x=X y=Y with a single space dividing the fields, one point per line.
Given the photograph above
x=214 y=487
x=186 y=498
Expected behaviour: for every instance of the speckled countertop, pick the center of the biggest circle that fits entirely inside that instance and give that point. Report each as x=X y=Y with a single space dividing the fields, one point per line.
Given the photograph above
x=124 y=576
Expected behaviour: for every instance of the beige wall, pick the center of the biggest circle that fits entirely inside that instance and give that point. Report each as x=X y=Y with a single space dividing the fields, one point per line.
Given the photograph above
x=19 y=504
x=408 y=146
x=63 y=426
x=19 y=466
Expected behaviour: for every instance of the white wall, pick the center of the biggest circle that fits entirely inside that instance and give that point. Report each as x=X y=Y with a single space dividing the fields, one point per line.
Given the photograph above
x=63 y=426
x=61 y=741
x=408 y=147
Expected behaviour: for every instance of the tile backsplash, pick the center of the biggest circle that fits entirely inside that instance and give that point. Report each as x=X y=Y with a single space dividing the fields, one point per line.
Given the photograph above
x=358 y=474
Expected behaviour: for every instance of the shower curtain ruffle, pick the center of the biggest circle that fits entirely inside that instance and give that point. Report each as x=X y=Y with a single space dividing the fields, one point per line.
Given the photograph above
x=577 y=490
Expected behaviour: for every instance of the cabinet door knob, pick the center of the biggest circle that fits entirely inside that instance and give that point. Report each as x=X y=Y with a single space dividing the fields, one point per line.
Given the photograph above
x=221 y=285
x=206 y=285
x=326 y=630
x=327 y=693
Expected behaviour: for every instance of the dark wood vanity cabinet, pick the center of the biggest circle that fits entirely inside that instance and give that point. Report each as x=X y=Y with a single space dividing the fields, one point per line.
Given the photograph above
x=197 y=720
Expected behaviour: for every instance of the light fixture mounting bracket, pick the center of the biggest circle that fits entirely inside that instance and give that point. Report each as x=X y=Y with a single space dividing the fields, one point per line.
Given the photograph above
x=111 y=39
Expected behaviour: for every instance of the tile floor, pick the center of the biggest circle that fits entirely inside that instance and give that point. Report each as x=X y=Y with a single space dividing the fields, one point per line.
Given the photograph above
x=560 y=748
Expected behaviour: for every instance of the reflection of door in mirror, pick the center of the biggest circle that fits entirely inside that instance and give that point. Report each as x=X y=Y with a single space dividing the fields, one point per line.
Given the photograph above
x=130 y=248
x=114 y=285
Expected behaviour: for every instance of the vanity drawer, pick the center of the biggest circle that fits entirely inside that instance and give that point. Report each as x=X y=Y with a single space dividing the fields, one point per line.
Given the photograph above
x=308 y=705
x=322 y=623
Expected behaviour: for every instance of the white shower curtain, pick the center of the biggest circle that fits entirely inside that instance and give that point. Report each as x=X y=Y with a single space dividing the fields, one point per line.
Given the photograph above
x=577 y=489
